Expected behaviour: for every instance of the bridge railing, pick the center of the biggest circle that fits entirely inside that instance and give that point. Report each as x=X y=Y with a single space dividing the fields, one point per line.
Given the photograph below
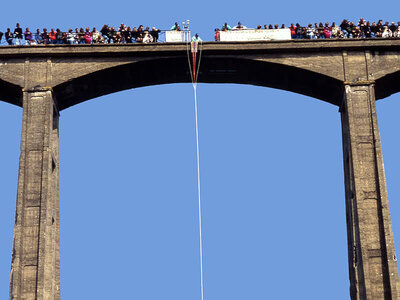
x=169 y=36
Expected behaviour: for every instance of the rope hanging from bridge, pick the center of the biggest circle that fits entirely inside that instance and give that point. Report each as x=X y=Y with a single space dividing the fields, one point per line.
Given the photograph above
x=194 y=73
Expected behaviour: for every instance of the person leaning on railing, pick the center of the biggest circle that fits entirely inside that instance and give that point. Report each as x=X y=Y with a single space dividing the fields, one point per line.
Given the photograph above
x=226 y=27
x=45 y=36
x=29 y=40
x=52 y=36
x=239 y=26
x=60 y=37
x=96 y=37
x=87 y=36
x=104 y=33
x=155 y=33
x=70 y=37
x=9 y=36
x=176 y=27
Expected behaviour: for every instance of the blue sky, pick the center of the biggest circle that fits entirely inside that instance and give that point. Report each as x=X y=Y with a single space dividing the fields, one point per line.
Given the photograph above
x=271 y=166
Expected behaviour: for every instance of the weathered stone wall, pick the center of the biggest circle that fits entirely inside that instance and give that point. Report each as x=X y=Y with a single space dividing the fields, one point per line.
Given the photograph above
x=35 y=267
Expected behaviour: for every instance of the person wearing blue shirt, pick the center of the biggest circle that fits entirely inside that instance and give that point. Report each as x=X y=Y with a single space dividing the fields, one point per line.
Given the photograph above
x=176 y=27
x=226 y=27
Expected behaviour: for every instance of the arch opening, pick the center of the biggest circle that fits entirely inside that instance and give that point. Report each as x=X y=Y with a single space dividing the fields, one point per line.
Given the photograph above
x=261 y=233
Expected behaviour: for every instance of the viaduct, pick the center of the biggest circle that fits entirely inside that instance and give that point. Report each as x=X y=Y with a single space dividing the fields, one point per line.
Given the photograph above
x=351 y=74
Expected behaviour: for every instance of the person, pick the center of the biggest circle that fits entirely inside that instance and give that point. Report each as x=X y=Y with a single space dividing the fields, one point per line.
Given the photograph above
x=96 y=37
x=9 y=36
x=52 y=36
x=239 y=26
x=135 y=35
x=122 y=30
x=59 y=36
x=71 y=37
x=344 y=28
x=352 y=30
x=292 y=31
x=299 y=31
x=362 y=25
x=226 y=27
x=367 y=29
x=140 y=34
x=117 y=38
x=386 y=32
x=393 y=27
x=18 y=35
x=357 y=32
x=374 y=30
x=87 y=36
x=155 y=34
x=81 y=36
x=397 y=32
x=327 y=31
x=320 y=30
x=128 y=35
x=196 y=38
x=1 y=35
x=104 y=32
x=29 y=37
x=380 y=28
x=217 y=36
x=335 y=31
x=112 y=35
x=147 y=37
x=310 y=32
x=176 y=27
x=38 y=37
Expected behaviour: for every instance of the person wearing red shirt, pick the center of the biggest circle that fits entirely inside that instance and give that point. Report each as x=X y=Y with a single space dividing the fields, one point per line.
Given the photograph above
x=293 y=30
x=52 y=36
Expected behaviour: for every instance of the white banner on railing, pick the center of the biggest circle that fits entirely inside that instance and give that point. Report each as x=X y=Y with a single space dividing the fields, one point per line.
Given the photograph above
x=174 y=36
x=255 y=35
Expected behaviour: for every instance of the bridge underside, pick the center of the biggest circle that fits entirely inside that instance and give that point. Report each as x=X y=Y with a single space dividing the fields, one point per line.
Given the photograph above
x=212 y=70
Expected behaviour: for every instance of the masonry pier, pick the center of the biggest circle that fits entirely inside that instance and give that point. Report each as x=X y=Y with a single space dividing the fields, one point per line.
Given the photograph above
x=35 y=269
x=372 y=259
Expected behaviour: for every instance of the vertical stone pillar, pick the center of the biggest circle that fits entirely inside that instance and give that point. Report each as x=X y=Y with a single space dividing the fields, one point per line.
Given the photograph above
x=372 y=259
x=35 y=267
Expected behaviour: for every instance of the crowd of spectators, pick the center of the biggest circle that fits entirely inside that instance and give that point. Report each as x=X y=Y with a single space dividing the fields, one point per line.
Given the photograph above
x=140 y=34
x=106 y=35
x=346 y=29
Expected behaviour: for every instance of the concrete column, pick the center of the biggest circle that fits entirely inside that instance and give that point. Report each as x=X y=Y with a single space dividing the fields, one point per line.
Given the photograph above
x=372 y=260
x=35 y=267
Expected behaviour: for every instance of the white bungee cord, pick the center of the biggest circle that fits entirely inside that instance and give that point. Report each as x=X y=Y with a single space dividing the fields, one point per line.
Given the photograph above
x=194 y=83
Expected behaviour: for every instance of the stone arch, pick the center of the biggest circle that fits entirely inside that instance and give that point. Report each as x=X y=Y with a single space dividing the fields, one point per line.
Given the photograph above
x=212 y=70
